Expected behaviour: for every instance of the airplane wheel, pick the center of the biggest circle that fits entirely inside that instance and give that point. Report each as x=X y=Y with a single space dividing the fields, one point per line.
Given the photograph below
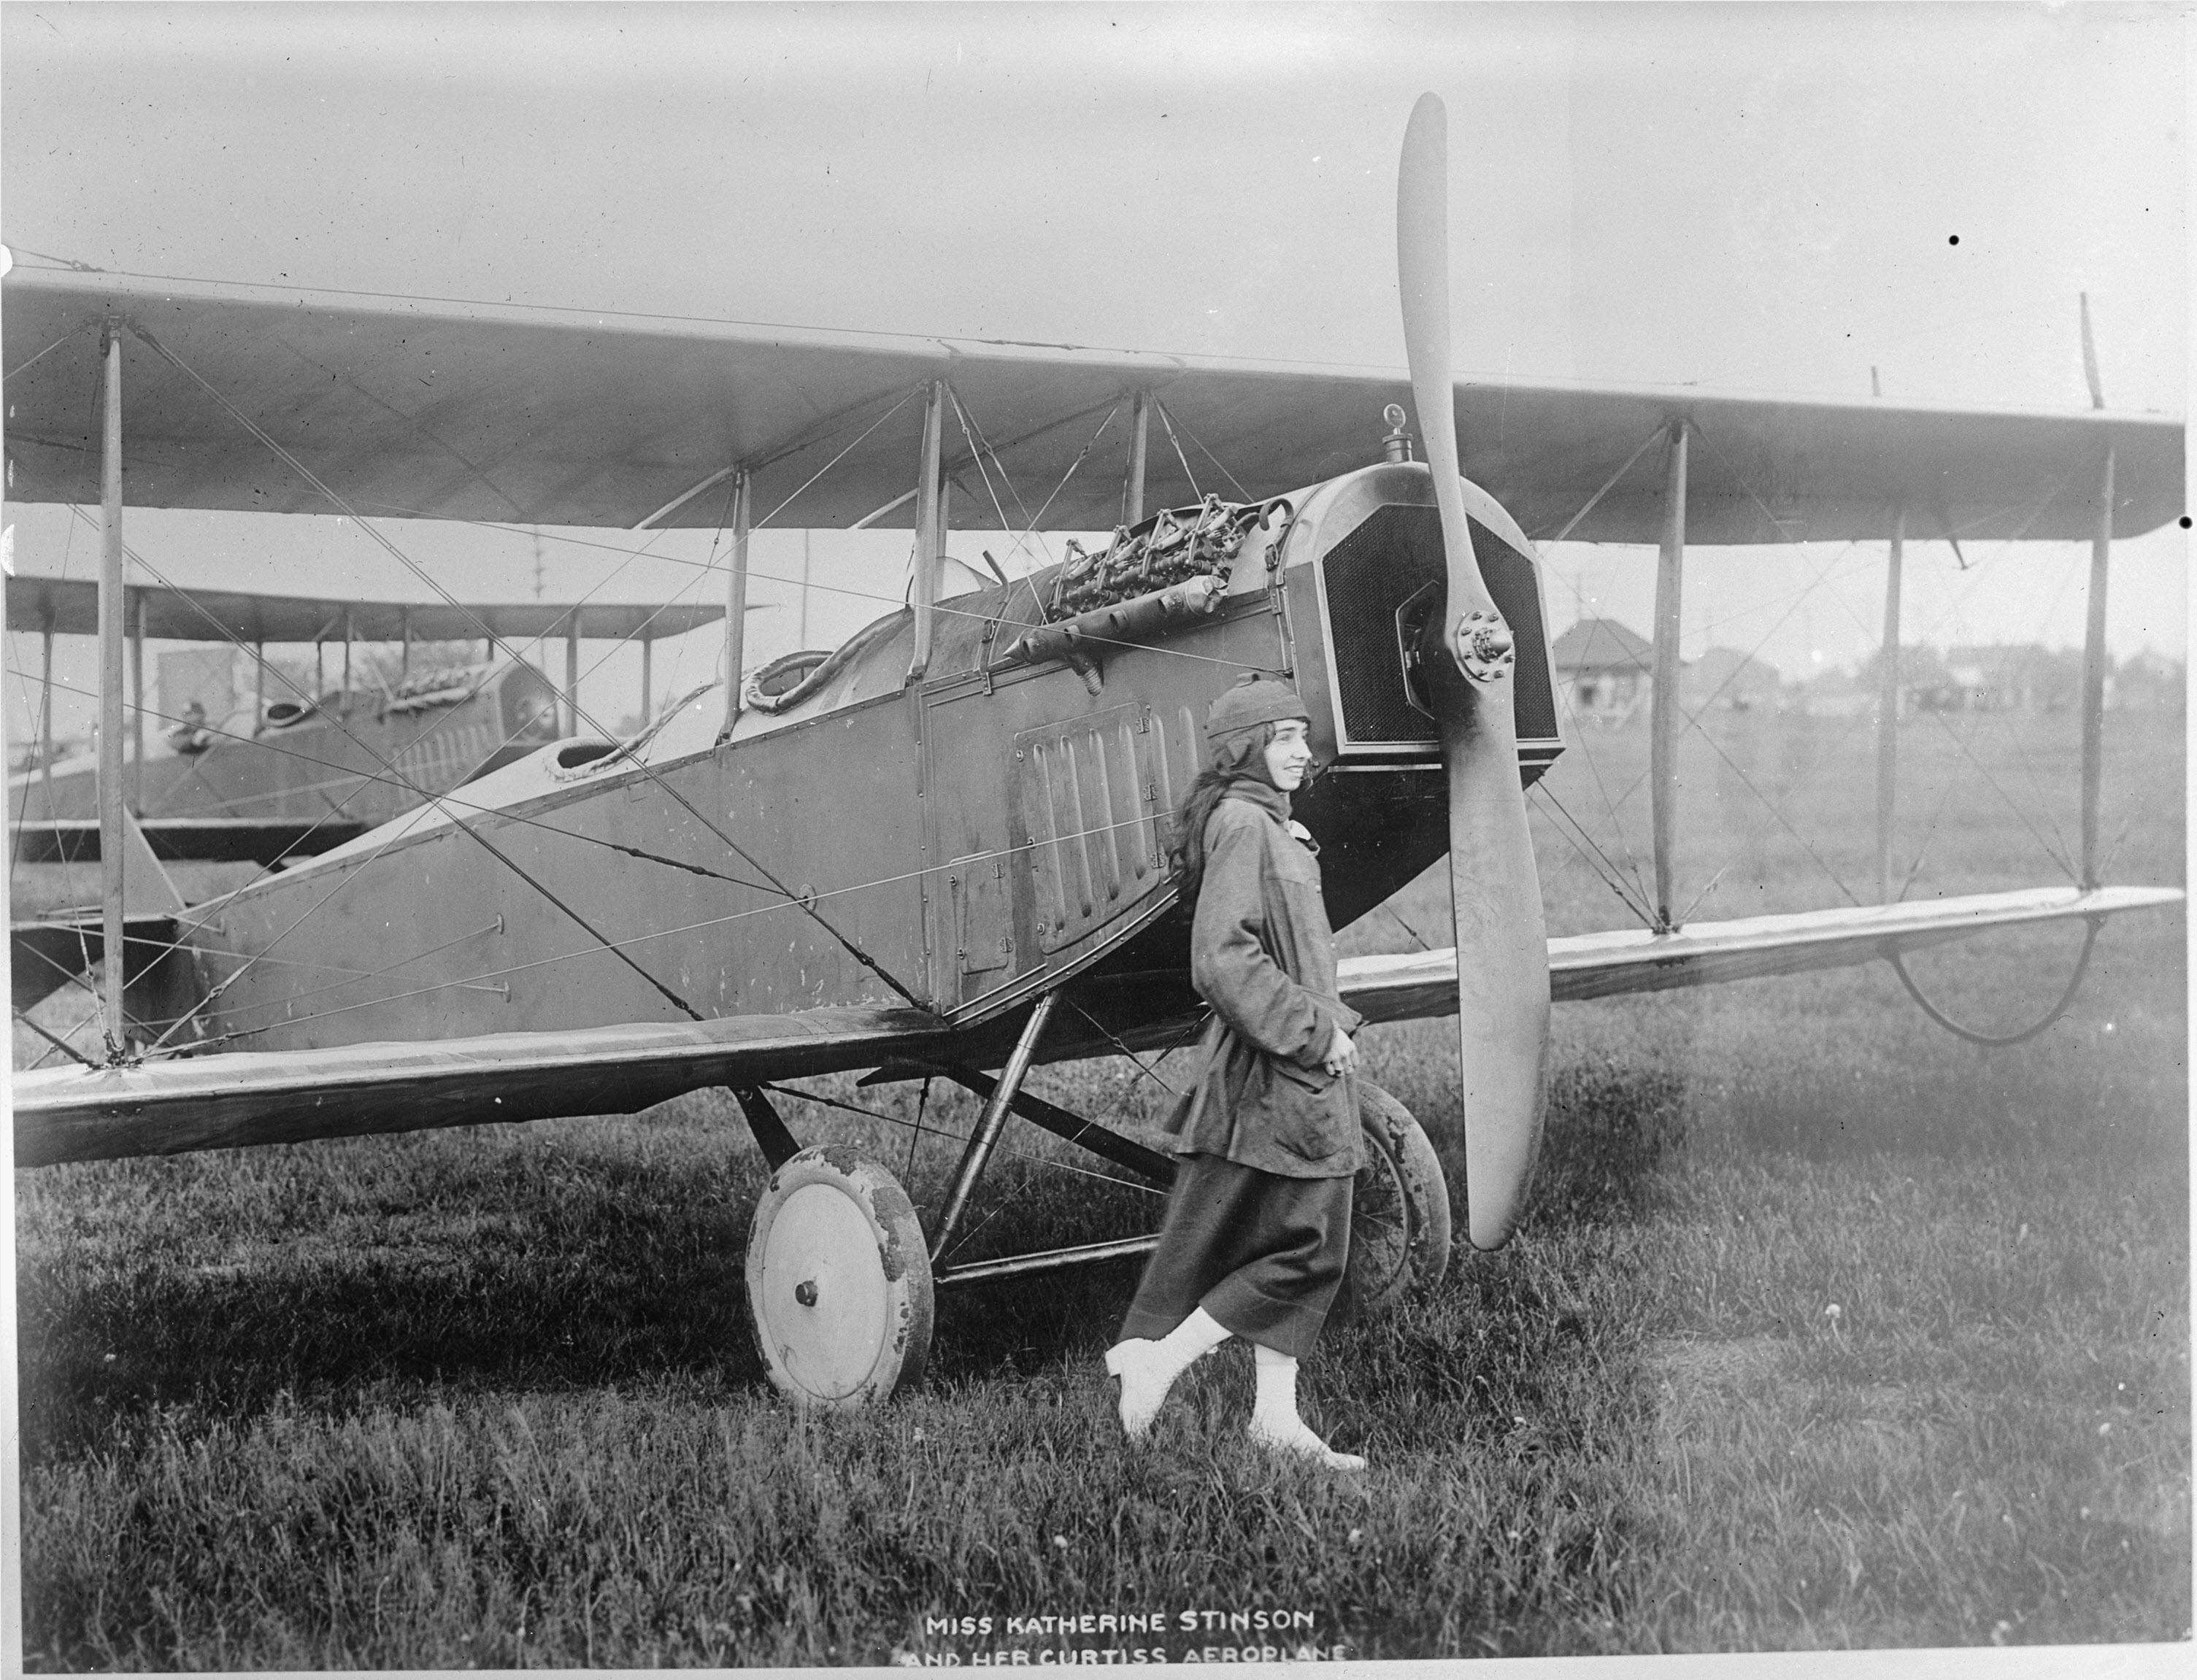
x=838 y=1280
x=1399 y=1232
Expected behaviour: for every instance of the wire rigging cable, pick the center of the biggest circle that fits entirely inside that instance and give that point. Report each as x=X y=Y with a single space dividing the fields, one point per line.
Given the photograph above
x=1168 y=421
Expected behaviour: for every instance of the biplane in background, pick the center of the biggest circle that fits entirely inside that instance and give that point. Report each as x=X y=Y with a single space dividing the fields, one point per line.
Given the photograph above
x=295 y=772
x=939 y=849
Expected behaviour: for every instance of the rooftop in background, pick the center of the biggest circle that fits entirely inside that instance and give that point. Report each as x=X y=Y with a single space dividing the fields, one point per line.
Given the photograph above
x=1599 y=645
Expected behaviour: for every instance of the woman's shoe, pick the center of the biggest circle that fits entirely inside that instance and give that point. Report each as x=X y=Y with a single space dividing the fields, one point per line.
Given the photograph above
x=1294 y=1436
x=1146 y=1374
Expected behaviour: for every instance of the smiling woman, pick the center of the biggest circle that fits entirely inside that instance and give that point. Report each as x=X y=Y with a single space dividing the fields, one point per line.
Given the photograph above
x=1257 y=1229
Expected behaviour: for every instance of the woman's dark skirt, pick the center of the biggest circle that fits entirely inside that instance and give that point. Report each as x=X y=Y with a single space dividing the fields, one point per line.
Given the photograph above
x=1263 y=1255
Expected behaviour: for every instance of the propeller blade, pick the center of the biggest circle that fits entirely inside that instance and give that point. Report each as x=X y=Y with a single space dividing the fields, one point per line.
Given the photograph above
x=1502 y=938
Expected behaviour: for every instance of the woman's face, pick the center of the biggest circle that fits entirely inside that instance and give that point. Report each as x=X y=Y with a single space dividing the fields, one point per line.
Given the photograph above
x=1289 y=756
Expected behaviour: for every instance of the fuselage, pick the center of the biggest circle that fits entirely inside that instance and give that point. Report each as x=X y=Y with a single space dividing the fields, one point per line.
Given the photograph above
x=964 y=841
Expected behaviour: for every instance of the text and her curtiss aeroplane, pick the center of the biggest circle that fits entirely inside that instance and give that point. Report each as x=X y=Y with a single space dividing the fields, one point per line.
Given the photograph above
x=940 y=847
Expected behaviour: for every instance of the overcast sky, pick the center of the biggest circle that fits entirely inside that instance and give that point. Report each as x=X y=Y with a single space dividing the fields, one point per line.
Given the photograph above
x=1750 y=198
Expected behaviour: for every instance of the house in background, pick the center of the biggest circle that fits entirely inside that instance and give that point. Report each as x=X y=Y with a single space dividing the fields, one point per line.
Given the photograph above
x=1604 y=669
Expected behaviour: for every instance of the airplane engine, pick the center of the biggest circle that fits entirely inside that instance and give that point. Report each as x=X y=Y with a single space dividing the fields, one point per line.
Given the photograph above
x=1375 y=573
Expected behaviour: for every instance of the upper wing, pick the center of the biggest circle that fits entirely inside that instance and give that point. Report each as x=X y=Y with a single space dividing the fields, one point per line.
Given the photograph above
x=448 y=410
x=217 y=1102
x=69 y=606
x=1634 y=960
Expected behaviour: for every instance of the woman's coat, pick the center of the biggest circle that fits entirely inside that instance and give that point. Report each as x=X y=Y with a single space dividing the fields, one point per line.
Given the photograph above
x=1263 y=955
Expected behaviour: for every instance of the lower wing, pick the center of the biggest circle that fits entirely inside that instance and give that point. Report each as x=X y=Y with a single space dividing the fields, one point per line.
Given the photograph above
x=212 y=1102
x=1707 y=953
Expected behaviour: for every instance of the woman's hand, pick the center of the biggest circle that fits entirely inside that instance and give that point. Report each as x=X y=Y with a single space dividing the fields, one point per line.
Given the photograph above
x=1342 y=1054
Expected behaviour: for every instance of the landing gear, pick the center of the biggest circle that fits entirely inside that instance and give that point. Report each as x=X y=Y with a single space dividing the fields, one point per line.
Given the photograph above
x=1400 y=1231
x=841 y=1280
x=838 y=1280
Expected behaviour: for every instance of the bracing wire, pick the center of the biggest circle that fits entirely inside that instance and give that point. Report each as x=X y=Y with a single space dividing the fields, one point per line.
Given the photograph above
x=1607 y=486
x=1169 y=424
x=941 y=1132
x=1607 y=870
x=1112 y=1038
x=57 y=1042
x=1169 y=420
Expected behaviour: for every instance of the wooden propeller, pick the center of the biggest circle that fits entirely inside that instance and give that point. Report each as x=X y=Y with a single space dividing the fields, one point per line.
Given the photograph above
x=1502 y=938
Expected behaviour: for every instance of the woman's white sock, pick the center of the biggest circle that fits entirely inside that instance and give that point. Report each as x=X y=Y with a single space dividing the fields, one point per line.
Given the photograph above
x=1148 y=1369
x=1274 y=1420
x=1189 y=1341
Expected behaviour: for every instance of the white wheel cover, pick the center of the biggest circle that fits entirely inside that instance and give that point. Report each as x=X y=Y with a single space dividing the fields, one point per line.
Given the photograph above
x=821 y=1235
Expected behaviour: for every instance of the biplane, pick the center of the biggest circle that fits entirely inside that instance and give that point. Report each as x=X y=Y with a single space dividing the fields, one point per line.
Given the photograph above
x=297 y=767
x=302 y=769
x=939 y=849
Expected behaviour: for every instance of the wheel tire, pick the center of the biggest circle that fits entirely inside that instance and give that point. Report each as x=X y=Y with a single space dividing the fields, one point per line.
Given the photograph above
x=838 y=1280
x=1399 y=1225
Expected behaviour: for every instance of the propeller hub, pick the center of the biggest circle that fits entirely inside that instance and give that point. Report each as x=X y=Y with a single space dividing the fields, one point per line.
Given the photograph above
x=1485 y=646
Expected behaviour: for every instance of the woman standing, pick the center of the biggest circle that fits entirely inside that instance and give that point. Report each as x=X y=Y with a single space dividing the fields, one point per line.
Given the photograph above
x=1258 y=1225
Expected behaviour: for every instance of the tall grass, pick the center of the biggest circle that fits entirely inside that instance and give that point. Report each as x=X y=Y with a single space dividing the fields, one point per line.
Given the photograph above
x=489 y=1397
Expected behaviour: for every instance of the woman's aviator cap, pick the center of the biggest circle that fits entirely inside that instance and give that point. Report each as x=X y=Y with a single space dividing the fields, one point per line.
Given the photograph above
x=1255 y=699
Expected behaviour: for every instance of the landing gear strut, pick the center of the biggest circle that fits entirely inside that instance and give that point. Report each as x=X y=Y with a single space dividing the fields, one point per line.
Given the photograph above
x=841 y=1279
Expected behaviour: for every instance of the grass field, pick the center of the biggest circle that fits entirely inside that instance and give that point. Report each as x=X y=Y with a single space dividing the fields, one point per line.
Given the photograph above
x=488 y=1398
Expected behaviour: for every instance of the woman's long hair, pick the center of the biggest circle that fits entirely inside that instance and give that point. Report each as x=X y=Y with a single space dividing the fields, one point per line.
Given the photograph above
x=1238 y=757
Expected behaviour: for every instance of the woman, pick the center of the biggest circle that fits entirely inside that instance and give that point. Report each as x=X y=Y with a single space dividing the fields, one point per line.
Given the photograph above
x=1258 y=1226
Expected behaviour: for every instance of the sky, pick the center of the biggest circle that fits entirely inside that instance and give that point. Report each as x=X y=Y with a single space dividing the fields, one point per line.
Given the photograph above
x=1785 y=199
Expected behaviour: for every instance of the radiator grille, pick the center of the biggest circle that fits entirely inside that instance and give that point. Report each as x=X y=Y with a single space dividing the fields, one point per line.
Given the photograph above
x=1371 y=573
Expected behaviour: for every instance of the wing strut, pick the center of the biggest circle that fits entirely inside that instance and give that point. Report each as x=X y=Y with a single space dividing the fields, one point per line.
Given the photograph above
x=1888 y=708
x=736 y=597
x=572 y=674
x=1663 y=754
x=112 y=609
x=2094 y=672
x=924 y=588
x=1133 y=510
x=986 y=1136
x=136 y=599
x=46 y=715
